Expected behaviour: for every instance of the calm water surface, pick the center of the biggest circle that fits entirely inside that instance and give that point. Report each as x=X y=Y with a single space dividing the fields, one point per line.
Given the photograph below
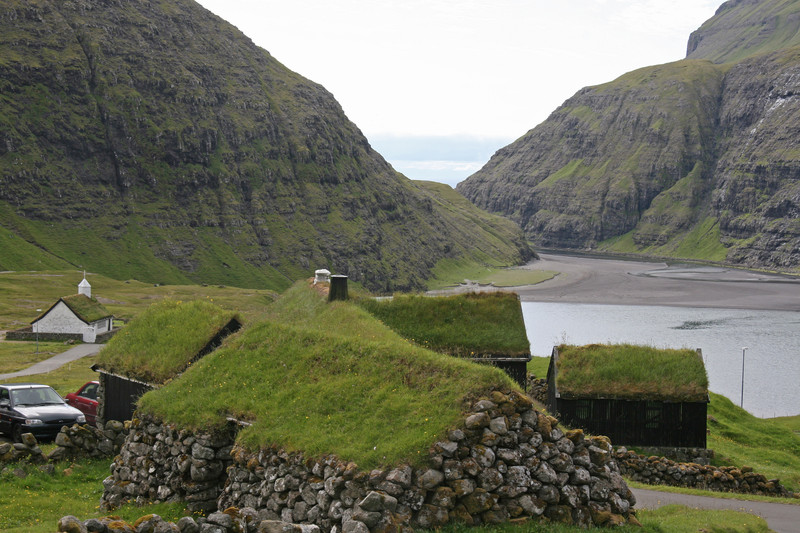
x=772 y=338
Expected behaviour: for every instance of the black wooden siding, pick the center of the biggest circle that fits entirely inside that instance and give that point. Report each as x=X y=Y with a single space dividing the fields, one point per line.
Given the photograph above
x=637 y=423
x=630 y=422
x=120 y=396
x=515 y=367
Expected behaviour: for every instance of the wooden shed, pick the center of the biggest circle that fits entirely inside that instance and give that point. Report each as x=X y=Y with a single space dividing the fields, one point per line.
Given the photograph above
x=155 y=347
x=635 y=395
x=484 y=327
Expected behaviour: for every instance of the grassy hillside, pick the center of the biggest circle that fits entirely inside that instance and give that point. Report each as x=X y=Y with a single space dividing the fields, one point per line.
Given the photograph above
x=326 y=378
x=22 y=293
x=739 y=30
x=770 y=446
x=689 y=159
x=180 y=152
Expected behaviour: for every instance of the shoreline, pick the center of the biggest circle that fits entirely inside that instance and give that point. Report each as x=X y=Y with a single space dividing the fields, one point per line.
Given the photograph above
x=609 y=281
x=614 y=281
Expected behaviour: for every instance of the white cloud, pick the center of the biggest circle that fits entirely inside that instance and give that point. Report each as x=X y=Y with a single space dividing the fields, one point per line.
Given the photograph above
x=479 y=67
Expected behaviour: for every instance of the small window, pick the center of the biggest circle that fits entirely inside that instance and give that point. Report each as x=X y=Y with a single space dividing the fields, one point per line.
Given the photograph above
x=653 y=412
x=90 y=391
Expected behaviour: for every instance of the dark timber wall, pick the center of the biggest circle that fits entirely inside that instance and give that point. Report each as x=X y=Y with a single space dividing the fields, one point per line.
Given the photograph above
x=119 y=396
x=631 y=422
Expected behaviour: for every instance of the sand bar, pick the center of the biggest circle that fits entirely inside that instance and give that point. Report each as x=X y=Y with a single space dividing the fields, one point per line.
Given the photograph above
x=584 y=279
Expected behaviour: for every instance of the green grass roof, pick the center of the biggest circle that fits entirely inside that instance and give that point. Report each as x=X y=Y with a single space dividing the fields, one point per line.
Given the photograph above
x=163 y=340
x=631 y=372
x=464 y=325
x=326 y=378
x=87 y=309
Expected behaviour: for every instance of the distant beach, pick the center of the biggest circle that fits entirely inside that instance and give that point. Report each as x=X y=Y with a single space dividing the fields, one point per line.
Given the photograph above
x=586 y=279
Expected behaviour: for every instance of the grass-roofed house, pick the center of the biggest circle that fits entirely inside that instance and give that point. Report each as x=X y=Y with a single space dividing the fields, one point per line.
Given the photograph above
x=77 y=316
x=155 y=347
x=636 y=395
x=485 y=327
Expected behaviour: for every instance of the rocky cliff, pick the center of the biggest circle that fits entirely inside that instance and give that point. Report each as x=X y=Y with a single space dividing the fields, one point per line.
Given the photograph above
x=153 y=140
x=692 y=159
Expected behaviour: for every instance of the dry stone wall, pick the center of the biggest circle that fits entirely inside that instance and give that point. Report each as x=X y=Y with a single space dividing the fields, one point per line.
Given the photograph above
x=655 y=470
x=161 y=463
x=228 y=521
x=507 y=461
x=72 y=442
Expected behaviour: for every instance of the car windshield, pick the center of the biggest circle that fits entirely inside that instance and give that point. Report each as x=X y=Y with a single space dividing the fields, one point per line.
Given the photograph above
x=35 y=396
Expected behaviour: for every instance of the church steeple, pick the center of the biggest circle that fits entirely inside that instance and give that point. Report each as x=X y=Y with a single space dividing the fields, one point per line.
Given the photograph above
x=84 y=287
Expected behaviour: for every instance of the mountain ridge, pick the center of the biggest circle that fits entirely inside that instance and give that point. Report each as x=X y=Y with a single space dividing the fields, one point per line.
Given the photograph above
x=689 y=159
x=153 y=140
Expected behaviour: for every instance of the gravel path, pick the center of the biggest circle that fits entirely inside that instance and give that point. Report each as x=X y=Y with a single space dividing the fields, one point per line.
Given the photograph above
x=57 y=361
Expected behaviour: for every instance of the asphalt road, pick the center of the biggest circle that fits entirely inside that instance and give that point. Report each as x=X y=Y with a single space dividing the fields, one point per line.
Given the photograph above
x=57 y=361
x=781 y=518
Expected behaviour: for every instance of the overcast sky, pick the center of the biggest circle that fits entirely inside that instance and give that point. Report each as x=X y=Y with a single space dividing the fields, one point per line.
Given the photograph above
x=462 y=69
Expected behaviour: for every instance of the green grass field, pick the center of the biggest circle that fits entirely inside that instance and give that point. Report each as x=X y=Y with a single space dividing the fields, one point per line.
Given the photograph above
x=449 y=274
x=17 y=355
x=770 y=446
x=22 y=293
x=34 y=504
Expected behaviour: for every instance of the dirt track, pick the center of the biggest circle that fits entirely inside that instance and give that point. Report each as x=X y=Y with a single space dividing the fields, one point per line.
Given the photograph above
x=613 y=281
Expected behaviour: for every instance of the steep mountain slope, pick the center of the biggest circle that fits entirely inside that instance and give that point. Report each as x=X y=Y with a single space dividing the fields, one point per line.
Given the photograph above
x=154 y=140
x=691 y=159
x=744 y=28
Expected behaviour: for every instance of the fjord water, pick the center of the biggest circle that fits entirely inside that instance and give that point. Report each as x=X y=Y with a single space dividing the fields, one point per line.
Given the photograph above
x=772 y=338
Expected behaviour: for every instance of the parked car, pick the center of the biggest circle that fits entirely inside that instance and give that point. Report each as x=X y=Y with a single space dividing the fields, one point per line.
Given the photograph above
x=85 y=400
x=34 y=408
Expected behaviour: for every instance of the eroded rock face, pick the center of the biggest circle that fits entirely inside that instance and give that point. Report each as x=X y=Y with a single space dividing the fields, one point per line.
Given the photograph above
x=687 y=148
x=163 y=125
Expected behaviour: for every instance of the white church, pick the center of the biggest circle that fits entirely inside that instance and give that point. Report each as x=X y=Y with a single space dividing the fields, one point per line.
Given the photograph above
x=79 y=314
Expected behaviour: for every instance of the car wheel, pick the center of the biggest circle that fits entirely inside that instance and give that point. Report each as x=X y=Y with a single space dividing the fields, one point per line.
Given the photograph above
x=16 y=433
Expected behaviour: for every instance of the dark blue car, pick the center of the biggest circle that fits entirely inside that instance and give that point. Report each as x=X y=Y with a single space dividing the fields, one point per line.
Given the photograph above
x=34 y=408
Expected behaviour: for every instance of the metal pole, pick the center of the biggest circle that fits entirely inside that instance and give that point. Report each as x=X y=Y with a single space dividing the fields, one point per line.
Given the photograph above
x=741 y=400
x=37 y=334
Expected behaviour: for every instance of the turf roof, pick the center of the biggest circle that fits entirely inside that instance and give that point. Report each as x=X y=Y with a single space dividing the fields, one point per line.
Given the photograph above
x=463 y=325
x=625 y=371
x=164 y=339
x=326 y=378
x=87 y=309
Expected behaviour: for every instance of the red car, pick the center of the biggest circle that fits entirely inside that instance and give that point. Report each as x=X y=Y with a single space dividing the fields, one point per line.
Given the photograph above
x=85 y=400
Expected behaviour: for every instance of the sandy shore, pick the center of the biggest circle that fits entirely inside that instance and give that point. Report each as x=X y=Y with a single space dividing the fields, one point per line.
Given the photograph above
x=584 y=279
